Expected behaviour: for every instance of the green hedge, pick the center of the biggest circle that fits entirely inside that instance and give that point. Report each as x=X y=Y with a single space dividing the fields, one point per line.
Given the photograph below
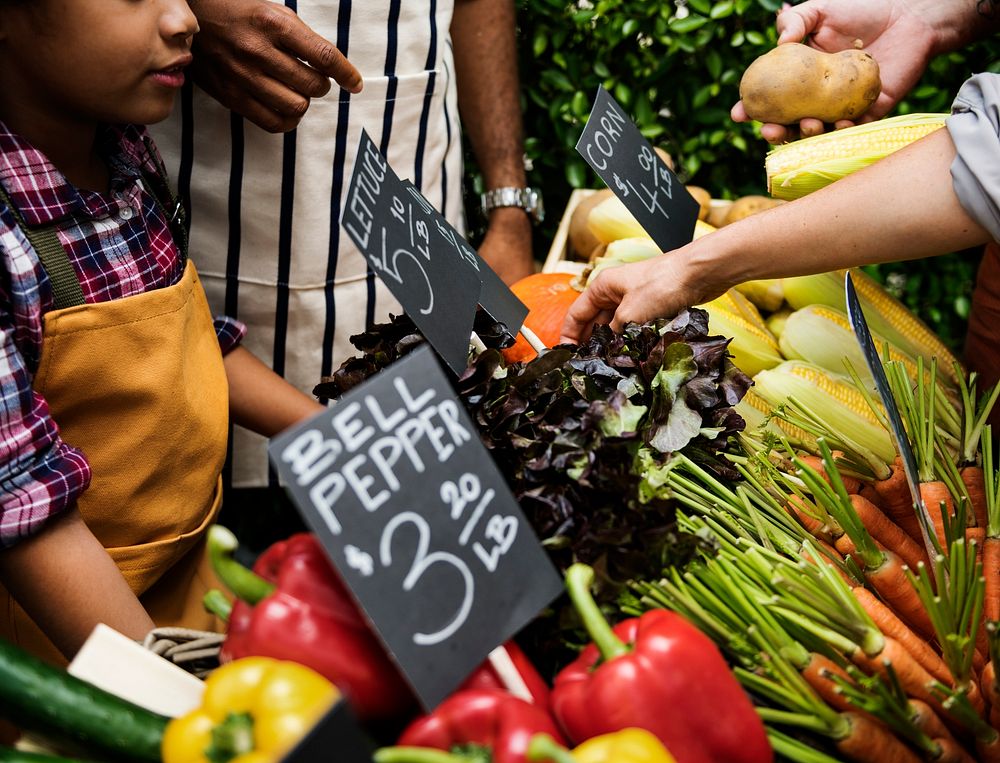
x=676 y=67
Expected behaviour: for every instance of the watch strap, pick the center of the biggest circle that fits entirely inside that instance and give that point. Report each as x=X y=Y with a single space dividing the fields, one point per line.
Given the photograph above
x=528 y=199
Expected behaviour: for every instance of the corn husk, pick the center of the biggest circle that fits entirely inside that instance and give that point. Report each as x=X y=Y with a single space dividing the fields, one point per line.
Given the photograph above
x=886 y=315
x=752 y=346
x=611 y=221
x=766 y=293
x=803 y=166
x=832 y=398
x=823 y=336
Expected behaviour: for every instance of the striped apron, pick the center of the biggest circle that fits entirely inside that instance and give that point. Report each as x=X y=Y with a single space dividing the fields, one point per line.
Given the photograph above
x=265 y=209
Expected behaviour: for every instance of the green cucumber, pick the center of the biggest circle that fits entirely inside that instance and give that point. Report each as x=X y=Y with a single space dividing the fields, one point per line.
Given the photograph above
x=50 y=702
x=10 y=755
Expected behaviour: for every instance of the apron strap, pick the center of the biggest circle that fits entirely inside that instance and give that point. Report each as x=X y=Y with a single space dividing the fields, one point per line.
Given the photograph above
x=170 y=206
x=66 y=289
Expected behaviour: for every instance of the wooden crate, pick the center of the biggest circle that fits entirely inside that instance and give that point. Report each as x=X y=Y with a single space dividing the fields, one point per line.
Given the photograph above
x=558 y=259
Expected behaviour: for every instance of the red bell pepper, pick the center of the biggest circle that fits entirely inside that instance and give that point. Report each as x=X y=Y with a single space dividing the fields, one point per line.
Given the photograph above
x=293 y=606
x=472 y=725
x=660 y=673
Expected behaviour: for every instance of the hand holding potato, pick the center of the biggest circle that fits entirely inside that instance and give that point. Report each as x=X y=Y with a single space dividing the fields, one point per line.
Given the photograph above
x=901 y=35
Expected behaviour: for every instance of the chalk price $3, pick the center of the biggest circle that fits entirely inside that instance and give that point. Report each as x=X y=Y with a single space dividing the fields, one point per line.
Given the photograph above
x=501 y=530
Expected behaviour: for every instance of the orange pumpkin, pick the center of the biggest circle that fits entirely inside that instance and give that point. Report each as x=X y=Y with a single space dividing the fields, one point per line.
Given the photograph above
x=547 y=297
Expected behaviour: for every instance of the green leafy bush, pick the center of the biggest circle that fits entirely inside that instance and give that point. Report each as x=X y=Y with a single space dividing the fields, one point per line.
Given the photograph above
x=676 y=68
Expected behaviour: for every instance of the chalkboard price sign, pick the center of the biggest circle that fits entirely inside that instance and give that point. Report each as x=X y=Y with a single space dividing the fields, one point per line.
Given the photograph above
x=625 y=160
x=413 y=512
x=496 y=298
x=396 y=229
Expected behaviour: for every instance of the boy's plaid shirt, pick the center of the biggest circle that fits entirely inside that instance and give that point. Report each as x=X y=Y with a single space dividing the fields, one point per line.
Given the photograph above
x=120 y=245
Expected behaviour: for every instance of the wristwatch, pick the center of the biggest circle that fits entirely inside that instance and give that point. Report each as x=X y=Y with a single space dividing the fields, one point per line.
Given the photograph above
x=528 y=199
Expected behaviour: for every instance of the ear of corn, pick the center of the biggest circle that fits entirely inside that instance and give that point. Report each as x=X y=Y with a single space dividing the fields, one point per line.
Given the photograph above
x=831 y=398
x=776 y=321
x=885 y=314
x=736 y=303
x=823 y=336
x=610 y=221
x=803 y=166
x=755 y=410
x=622 y=252
x=752 y=346
x=766 y=293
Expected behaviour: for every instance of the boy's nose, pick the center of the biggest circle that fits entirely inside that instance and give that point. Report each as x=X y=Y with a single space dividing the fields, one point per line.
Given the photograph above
x=178 y=19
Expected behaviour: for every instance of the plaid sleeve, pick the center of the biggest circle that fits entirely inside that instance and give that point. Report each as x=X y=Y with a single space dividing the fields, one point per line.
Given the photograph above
x=230 y=332
x=40 y=475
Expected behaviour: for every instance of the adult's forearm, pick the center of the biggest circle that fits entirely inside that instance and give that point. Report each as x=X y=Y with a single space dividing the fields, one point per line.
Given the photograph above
x=903 y=207
x=483 y=34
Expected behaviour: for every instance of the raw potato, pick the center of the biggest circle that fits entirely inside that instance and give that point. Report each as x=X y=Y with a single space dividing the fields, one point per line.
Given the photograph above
x=704 y=199
x=667 y=158
x=581 y=240
x=794 y=81
x=749 y=205
x=718 y=211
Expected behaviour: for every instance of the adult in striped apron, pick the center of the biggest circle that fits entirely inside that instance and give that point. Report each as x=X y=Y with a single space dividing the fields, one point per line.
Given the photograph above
x=265 y=208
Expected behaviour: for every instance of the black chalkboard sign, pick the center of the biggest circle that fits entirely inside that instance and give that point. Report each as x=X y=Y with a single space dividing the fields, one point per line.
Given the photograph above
x=395 y=229
x=414 y=514
x=625 y=160
x=495 y=298
x=336 y=736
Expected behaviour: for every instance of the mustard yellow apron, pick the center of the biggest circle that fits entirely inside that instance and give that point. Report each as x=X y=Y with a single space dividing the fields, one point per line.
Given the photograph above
x=138 y=385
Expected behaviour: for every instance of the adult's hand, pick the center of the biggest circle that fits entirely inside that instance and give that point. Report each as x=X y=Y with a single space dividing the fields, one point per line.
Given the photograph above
x=506 y=247
x=261 y=60
x=902 y=35
x=638 y=292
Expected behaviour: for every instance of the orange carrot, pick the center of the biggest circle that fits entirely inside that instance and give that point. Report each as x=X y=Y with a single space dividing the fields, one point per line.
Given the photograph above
x=988 y=683
x=851 y=484
x=975 y=696
x=817 y=674
x=896 y=501
x=890 y=582
x=935 y=494
x=822 y=559
x=870 y=741
x=991 y=571
x=951 y=751
x=912 y=675
x=888 y=533
x=972 y=477
x=815 y=527
x=988 y=752
x=892 y=626
x=928 y=721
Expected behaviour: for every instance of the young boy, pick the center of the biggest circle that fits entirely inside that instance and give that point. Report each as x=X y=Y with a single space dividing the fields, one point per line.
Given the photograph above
x=114 y=394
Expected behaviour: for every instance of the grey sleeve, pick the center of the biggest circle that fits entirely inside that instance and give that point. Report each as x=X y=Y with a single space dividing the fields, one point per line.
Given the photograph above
x=974 y=126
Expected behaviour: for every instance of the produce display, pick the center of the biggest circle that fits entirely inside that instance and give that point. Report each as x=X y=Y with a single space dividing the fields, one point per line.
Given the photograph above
x=748 y=577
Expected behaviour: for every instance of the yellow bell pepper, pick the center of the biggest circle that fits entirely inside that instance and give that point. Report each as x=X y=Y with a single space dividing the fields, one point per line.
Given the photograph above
x=254 y=711
x=631 y=745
